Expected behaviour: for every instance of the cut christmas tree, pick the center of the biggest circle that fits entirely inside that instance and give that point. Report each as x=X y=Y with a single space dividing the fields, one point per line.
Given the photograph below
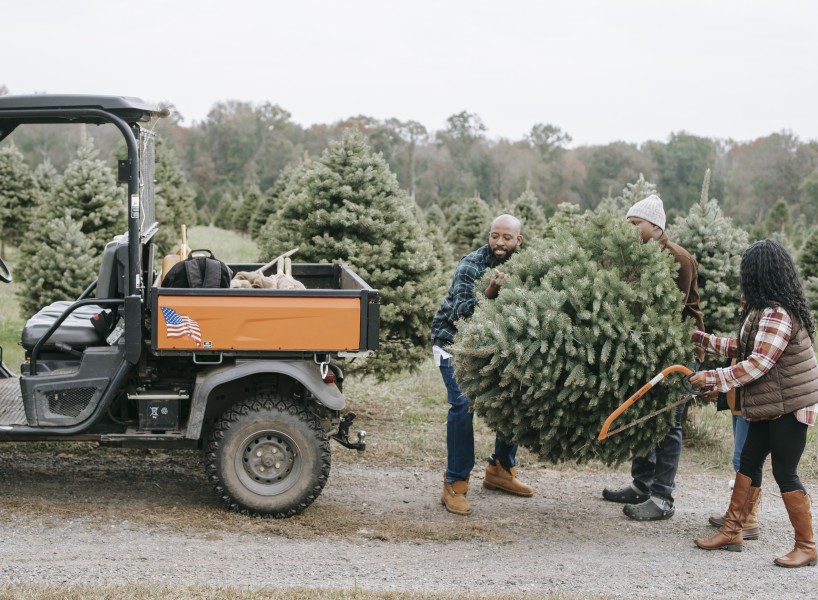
x=586 y=319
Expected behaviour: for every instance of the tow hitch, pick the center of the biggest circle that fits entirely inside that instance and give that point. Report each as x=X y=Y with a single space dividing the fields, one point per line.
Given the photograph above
x=342 y=437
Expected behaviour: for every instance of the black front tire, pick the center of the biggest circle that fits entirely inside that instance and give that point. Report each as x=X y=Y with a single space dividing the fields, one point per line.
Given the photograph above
x=268 y=456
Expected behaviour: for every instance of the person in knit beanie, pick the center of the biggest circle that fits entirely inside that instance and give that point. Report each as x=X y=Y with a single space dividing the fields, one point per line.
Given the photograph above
x=649 y=216
x=650 y=496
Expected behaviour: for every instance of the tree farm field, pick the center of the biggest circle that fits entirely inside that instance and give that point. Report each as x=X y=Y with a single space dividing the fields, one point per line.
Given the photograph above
x=81 y=521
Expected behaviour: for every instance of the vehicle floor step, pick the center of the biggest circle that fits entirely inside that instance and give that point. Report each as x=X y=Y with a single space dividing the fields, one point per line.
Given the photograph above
x=12 y=411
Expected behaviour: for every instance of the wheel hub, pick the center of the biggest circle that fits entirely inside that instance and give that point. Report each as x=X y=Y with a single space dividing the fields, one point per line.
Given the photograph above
x=269 y=463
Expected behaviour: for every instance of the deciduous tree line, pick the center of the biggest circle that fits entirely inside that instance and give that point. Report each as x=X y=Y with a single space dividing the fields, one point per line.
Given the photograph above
x=241 y=148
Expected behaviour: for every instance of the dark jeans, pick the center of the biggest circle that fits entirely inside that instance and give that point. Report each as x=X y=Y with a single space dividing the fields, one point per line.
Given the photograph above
x=655 y=474
x=460 y=433
x=783 y=438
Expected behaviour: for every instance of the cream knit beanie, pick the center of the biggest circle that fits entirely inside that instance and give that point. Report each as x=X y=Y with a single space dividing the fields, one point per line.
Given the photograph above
x=650 y=209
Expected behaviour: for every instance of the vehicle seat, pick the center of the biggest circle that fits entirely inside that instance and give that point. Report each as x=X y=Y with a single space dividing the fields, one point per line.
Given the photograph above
x=77 y=330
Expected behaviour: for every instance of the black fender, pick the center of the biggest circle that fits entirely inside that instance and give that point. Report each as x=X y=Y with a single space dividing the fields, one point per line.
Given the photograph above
x=305 y=372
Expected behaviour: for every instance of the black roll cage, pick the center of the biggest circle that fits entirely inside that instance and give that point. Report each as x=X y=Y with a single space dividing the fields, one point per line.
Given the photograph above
x=124 y=113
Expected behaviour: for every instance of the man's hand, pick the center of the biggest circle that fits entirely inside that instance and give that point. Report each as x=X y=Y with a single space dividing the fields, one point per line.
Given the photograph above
x=494 y=285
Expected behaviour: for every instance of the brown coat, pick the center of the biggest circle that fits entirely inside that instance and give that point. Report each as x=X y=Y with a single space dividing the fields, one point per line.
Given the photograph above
x=791 y=384
x=687 y=280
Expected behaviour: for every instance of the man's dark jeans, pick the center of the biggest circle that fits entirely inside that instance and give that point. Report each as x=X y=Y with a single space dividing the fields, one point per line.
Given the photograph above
x=460 y=433
x=655 y=474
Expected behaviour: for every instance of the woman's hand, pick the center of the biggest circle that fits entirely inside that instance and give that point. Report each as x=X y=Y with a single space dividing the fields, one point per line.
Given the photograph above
x=698 y=379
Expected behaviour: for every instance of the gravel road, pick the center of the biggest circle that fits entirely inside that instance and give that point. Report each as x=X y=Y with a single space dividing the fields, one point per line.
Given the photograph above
x=564 y=540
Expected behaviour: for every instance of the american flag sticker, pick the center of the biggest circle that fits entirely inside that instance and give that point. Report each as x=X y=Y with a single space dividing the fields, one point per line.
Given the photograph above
x=181 y=326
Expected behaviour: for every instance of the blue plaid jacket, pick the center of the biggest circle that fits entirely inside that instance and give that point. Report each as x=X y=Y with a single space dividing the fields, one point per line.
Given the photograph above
x=461 y=299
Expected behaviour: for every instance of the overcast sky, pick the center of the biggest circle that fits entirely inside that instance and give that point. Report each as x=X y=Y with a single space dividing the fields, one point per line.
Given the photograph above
x=601 y=70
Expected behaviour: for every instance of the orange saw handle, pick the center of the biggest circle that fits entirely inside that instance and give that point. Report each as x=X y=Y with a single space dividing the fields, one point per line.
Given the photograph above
x=603 y=433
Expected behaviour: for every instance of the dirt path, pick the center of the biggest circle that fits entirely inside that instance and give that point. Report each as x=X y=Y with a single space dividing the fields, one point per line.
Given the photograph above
x=79 y=519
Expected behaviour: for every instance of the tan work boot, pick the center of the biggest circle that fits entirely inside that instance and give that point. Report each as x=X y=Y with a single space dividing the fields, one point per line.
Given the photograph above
x=499 y=478
x=454 y=497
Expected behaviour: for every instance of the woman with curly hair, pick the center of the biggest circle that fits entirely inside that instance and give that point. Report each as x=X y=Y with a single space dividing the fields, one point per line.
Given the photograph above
x=776 y=376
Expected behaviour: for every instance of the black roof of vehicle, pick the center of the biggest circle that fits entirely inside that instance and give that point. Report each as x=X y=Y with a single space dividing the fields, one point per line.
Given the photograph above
x=46 y=108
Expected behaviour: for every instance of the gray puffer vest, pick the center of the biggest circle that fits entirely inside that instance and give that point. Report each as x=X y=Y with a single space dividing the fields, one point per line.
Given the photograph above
x=791 y=384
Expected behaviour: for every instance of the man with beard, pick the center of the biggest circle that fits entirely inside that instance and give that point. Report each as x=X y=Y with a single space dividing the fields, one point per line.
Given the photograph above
x=501 y=473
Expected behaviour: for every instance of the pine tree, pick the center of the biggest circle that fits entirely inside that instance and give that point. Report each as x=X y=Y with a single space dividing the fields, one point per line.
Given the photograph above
x=566 y=216
x=811 y=292
x=88 y=189
x=757 y=231
x=436 y=226
x=227 y=208
x=716 y=243
x=271 y=201
x=436 y=218
x=808 y=195
x=633 y=193
x=248 y=204
x=348 y=207
x=470 y=228
x=56 y=264
x=19 y=196
x=587 y=318
x=808 y=257
x=799 y=232
x=779 y=219
x=785 y=240
x=174 y=199
x=46 y=175
x=528 y=209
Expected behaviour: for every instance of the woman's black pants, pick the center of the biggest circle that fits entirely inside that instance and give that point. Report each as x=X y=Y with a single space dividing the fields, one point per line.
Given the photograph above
x=783 y=438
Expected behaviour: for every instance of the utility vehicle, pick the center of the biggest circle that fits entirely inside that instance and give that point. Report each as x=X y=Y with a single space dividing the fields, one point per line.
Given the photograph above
x=250 y=376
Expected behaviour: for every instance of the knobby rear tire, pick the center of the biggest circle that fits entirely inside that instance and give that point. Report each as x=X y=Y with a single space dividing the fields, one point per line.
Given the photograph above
x=268 y=456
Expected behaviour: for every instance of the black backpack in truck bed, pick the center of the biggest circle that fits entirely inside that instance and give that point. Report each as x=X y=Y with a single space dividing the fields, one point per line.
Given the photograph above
x=198 y=270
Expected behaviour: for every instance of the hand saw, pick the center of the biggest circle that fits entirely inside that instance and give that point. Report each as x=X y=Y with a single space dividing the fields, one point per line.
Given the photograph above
x=691 y=394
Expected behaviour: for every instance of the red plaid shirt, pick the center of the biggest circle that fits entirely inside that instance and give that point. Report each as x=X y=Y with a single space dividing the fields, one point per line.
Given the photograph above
x=774 y=332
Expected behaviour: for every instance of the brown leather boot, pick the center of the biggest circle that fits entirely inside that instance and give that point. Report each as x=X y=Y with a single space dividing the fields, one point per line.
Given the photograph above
x=741 y=502
x=454 y=497
x=749 y=529
x=499 y=478
x=800 y=512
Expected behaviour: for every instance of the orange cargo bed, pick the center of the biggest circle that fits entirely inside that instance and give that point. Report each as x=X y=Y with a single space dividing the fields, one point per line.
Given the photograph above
x=337 y=312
